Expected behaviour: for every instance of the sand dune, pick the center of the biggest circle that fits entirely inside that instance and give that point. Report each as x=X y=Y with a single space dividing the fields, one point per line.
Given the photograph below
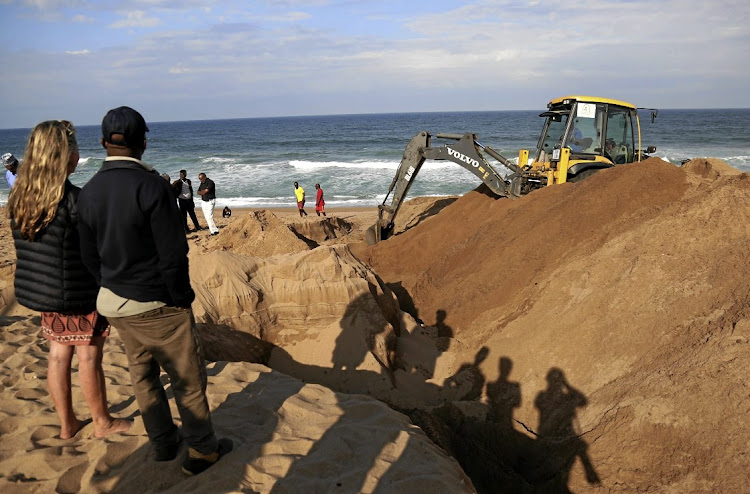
x=289 y=436
x=632 y=286
x=586 y=337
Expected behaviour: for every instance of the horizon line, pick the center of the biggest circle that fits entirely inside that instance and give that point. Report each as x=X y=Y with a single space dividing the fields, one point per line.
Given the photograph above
x=367 y=113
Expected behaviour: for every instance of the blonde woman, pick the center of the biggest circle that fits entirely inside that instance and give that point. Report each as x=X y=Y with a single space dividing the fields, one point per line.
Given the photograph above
x=50 y=277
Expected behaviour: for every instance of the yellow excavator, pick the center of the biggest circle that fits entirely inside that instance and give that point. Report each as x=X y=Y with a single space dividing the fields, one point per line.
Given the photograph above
x=581 y=135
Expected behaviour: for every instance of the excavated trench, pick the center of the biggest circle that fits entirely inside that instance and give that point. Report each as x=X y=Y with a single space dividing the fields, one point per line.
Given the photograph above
x=485 y=443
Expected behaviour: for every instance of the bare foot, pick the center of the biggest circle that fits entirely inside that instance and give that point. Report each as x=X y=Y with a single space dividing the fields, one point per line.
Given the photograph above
x=72 y=429
x=114 y=426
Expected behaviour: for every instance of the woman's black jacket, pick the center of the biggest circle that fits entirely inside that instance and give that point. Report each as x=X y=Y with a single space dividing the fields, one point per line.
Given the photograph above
x=49 y=274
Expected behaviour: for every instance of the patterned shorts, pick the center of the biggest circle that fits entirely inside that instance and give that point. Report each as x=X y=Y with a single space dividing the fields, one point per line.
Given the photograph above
x=73 y=329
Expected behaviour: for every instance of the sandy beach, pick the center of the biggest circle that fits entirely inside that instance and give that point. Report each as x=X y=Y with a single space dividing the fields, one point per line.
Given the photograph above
x=588 y=337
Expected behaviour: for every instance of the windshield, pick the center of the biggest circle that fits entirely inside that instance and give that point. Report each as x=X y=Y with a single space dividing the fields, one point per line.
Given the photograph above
x=586 y=132
x=554 y=128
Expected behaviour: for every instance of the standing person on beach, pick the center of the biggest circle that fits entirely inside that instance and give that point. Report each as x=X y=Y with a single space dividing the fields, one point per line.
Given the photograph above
x=185 y=201
x=132 y=241
x=50 y=277
x=207 y=191
x=320 y=203
x=11 y=169
x=299 y=194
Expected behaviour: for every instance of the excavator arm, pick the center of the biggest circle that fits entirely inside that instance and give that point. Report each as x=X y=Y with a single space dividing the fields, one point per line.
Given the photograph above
x=466 y=152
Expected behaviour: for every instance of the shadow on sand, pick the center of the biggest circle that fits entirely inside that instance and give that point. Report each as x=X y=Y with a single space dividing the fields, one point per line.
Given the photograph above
x=483 y=436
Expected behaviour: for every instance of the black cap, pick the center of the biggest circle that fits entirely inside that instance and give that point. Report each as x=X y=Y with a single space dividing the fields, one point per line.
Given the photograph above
x=127 y=122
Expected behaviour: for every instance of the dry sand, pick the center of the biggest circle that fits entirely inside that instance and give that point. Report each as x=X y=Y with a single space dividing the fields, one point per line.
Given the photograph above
x=586 y=337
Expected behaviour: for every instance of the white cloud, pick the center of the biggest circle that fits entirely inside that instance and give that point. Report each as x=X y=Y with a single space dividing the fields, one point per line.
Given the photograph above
x=51 y=4
x=291 y=17
x=80 y=18
x=485 y=54
x=179 y=69
x=136 y=18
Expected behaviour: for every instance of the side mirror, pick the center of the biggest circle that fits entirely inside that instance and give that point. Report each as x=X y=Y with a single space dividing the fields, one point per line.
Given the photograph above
x=651 y=149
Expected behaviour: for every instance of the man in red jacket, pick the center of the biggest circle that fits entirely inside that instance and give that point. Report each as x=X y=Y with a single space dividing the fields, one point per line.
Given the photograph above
x=320 y=203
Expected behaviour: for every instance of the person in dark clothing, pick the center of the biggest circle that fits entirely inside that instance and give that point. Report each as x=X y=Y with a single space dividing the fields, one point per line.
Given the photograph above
x=135 y=246
x=50 y=277
x=207 y=191
x=184 y=189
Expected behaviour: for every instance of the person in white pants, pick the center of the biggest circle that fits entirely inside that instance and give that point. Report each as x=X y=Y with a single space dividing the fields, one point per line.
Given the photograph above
x=207 y=191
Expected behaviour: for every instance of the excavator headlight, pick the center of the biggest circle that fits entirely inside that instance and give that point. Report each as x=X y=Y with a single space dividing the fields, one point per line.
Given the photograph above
x=556 y=154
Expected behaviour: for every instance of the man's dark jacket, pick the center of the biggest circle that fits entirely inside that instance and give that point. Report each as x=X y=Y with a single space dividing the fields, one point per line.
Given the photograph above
x=177 y=187
x=49 y=274
x=208 y=184
x=132 y=239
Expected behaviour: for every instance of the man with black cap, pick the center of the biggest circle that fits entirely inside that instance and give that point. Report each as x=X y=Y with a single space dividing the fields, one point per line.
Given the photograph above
x=134 y=244
x=11 y=168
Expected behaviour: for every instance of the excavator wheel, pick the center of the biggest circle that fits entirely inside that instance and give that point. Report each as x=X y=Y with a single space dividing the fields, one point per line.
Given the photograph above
x=583 y=175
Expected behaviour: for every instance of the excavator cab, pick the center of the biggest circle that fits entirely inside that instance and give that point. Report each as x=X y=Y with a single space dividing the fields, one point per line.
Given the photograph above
x=581 y=135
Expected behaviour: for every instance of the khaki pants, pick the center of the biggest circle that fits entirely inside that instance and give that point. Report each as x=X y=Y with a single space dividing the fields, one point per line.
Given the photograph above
x=166 y=338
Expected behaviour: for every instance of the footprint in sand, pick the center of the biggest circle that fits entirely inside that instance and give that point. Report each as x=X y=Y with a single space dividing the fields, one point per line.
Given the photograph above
x=30 y=394
x=116 y=454
x=70 y=481
x=36 y=369
x=45 y=432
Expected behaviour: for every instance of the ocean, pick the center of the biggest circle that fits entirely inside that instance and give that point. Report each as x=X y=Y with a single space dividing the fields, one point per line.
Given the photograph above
x=254 y=161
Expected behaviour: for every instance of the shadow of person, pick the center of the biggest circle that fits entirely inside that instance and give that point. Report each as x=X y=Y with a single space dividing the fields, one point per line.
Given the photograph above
x=444 y=332
x=405 y=300
x=492 y=453
x=419 y=347
x=559 y=442
x=468 y=381
x=504 y=396
x=364 y=330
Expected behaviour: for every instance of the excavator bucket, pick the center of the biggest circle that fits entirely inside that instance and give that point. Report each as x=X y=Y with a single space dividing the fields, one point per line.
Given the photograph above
x=373 y=235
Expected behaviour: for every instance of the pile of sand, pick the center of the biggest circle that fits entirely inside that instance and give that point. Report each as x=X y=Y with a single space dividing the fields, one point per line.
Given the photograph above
x=260 y=234
x=323 y=308
x=587 y=336
x=615 y=310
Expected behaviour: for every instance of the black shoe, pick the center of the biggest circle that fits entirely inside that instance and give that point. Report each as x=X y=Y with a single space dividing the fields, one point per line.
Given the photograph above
x=196 y=462
x=167 y=451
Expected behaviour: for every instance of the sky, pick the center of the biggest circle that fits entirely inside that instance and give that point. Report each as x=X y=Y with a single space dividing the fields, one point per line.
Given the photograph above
x=193 y=60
